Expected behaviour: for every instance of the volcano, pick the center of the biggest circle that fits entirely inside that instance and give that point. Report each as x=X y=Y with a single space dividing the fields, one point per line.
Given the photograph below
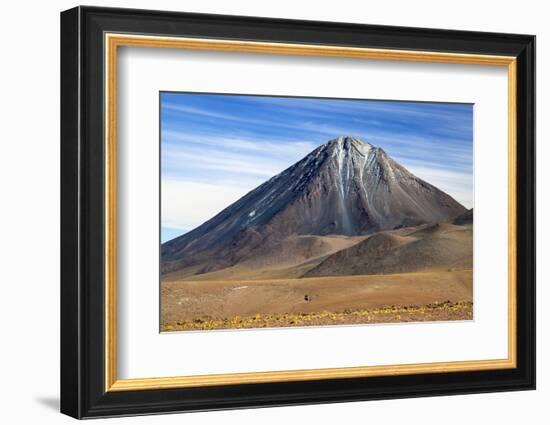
x=346 y=187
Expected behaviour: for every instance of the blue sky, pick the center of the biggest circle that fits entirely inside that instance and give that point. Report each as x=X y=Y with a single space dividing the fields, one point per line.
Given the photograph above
x=216 y=148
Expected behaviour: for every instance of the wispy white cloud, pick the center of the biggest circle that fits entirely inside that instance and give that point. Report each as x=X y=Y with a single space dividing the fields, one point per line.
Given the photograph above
x=456 y=184
x=283 y=147
x=186 y=205
x=238 y=161
x=221 y=162
x=185 y=109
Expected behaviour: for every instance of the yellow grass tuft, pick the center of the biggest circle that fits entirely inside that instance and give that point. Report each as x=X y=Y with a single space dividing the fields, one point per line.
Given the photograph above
x=462 y=310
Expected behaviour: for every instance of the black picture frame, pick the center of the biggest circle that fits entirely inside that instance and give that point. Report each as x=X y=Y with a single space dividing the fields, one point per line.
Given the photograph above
x=83 y=392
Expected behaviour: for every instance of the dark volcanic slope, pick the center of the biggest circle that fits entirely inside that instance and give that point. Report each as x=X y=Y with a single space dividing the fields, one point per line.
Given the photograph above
x=345 y=187
x=465 y=218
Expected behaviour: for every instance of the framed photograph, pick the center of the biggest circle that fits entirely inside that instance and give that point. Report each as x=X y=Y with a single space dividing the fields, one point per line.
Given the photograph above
x=261 y=212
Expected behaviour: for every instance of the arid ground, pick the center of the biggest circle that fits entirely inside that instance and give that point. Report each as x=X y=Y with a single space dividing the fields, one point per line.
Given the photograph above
x=419 y=296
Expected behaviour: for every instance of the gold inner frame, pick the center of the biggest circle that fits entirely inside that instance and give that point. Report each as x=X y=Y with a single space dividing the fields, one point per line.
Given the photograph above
x=113 y=41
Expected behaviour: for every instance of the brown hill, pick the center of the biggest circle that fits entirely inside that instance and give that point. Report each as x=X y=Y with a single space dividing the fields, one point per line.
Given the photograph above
x=437 y=247
x=288 y=258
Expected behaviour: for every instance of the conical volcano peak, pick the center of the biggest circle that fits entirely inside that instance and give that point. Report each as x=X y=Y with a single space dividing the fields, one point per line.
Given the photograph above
x=344 y=187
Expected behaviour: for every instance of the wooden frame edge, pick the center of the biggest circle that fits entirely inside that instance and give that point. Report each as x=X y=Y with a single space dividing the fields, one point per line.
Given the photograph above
x=114 y=40
x=512 y=212
x=110 y=213
x=306 y=375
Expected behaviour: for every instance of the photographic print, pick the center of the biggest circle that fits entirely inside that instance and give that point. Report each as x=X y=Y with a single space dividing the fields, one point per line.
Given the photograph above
x=293 y=211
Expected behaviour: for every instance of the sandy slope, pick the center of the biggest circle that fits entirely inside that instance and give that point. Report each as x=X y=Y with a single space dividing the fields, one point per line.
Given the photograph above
x=439 y=246
x=289 y=258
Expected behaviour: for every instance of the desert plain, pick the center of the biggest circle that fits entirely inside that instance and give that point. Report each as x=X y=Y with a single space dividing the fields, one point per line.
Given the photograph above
x=420 y=273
